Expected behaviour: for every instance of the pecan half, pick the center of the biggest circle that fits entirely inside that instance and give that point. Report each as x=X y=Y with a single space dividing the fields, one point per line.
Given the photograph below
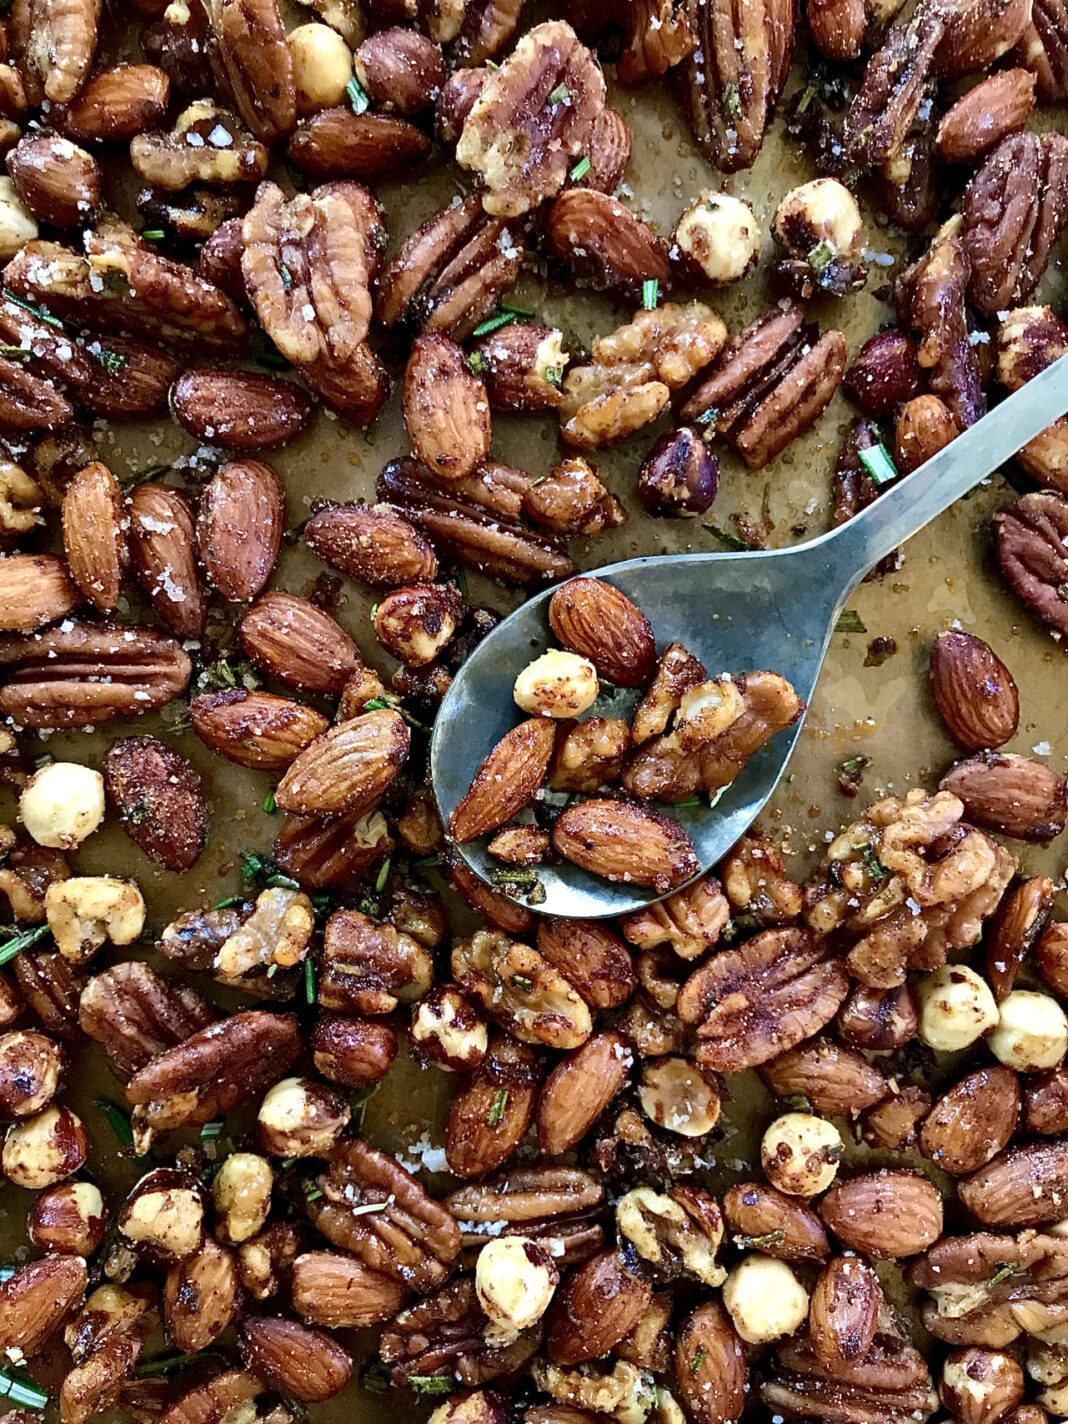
x=137 y=1015
x=53 y=46
x=206 y=145
x=1033 y=555
x=445 y=1335
x=932 y=293
x=889 y=98
x=889 y=1383
x=1043 y=49
x=257 y=62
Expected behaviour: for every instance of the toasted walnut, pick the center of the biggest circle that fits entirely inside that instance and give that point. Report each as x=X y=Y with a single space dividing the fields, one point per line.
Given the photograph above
x=678 y=1233
x=676 y=341
x=274 y=936
x=20 y=499
x=572 y=500
x=106 y=1339
x=521 y=991
x=1029 y=339
x=623 y=1391
x=908 y=883
x=86 y=911
x=589 y=754
x=206 y=145
x=756 y=883
x=690 y=921
x=604 y=404
x=370 y=968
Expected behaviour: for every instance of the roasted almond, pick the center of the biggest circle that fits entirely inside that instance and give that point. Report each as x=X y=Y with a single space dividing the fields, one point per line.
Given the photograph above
x=603 y=243
x=295 y=1359
x=1020 y=920
x=626 y=842
x=239 y=528
x=118 y=103
x=768 y=1220
x=35 y=1301
x=493 y=1109
x=164 y=557
x=200 y=1296
x=885 y=1214
x=579 y=1089
x=979 y=120
x=592 y=956
x=844 y=1310
x=58 y=181
x=597 y=1304
x=372 y=543
x=710 y=1368
x=347 y=769
x=35 y=589
x=446 y=408
x=292 y=640
x=159 y=799
x=594 y=619
x=241 y=410
x=1010 y=794
x=336 y=143
x=973 y=1121
x=837 y=1081
x=1024 y=1186
x=338 y=1291
x=974 y=692
x=255 y=728
x=95 y=534
x=505 y=781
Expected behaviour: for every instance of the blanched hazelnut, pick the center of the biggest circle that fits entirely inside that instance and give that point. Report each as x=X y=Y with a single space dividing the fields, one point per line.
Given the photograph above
x=17 y=223
x=515 y=1279
x=718 y=238
x=163 y=1217
x=800 y=1154
x=821 y=228
x=62 y=804
x=979 y=1386
x=86 y=911
x=322 y=66
x=301 y=1118
x=558 y=684
x=31 y=1065
x=241 y=1193
x=1032 y=1032
x=42 y=1150
x=764 y=1299
x=1048 y=1366
x=447 y=1030
x=416 y=624
x=956 y=1008
x=674 y=1095
x=69 y=1219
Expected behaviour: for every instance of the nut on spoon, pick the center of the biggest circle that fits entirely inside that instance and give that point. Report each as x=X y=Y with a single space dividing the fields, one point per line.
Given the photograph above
x=765 y=608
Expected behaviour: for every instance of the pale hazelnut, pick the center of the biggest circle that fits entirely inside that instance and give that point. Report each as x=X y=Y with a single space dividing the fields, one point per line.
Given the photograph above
x=674 y=1095
x=956 y=1008
x=821 y=211
x=764 y=1299
x=300 y=1117
x=163 y=1217
x=719 y=237
x=1048 y=1366
x=62 y=804
x=446 y=1029
x=42 y=1150
x=800 y=1153
x=322 y=66
x=31 y=1066
x=515 y=1279
x=86 y=911
x=241 y=1193
x=979 y=1386
x=17 y=223
x=69 y=1219
x=1032 y=1032
x=558 y=684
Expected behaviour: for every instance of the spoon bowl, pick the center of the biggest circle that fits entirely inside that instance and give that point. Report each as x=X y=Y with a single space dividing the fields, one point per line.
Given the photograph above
x=771 y=609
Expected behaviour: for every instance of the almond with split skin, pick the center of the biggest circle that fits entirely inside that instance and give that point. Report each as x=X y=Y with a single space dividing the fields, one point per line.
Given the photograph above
x=506 y=780
x=599 y=622
x=626 y=843
x=974 y=692
x=347 y=769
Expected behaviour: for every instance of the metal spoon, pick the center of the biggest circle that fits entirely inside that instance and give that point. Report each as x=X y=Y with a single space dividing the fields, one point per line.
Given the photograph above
x=766 y=608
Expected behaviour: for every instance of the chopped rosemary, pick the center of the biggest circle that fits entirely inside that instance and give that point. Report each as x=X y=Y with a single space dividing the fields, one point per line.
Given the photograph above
x=732 y=540
x=475 y=363
x=357 y=96
x=709 y=416
x=431 y=1384
x=15 y=353
x=698 y=1360
x=873 y=865
x=286 y=276
x=374 y=1377
x=879 y=463
x=171 y=1364
x=849 y=621
x=211 y=1130
x=309 y=981
x=112 y=361
x=760 y=1243
x=560 y=94
x=581 y=168
x=46 y=317
x=269 y=804
x=732 y=101
x=1002 y=1275
x=820 y=257
x=153 y=234
x=494 y=323
x=312 y=1191
x=650 y=293
x=383 y=875
x=117 y=1120
x=495 y=1116
x=522 y=983
x=22 y=939
x=21 y=1392
x=554 y=376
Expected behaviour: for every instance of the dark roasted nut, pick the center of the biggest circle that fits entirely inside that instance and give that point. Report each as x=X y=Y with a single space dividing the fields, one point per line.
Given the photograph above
x=1029 y=338
x=446 y=409
x=192 y=215
x=118 y=103
x=371 y=543
x=36 y=1299
x=200 y=1296
x=595 y=620
x=877 y=1019
x=886 y=1214
x=297 y=643
x=1013 y=211
x=1021 y=918
x=206 y=145
x=579 y=1089
x=1046 y=1103
x=1043 y=49
x=894 y=1123
x=762 y=998
x=68 y=1219
x=763 y=1219
x=592 y=956
x=346 y=770
x=597 y=1304
x=838 y=27
x=400 y=71
x=973 y=1121
x=27 y=402
x=35 y=589
x=241 y=410
x=980 y=1386
x=455 y=102
x=352 y=1052
x=159 y=800
x=239 y=527
x=485 y=28
x=446 y=1030
x=95 y=526
x=266 y=1259
x=885 y=374
x=136 y=1015
x=710 y=1367
x=923 y=427
x=844 y=1311
x=1011 y=794
x=59 y=182
x=490 y=1115
x=445 y=1334
x=980 y=119
x=770 y=383
x=51 y=988
x=295 y=1359
x=679 y=476
x=31 y=1068
x=553 y=1204
x=255 y=728
x=888 y=101
x=493 y=906
x=932 y=294
x=1031 y=551
x=836 y=1081
x=734 y=78
x=589 y=754
x=409 y=1238
x=53 y=49
x=603 y=244
x=1051 y=958
x=162 y=1218
x=974 y=692
x=219 y=261
x=336 y=143
x=1022 y=1186
x=340 y=1292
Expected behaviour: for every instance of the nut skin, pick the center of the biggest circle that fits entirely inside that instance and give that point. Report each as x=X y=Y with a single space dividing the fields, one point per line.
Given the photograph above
x=878 y=1019
x=374 y=544
x=339 y=1292
x=200 y=1296
x=163 y=555
x=714 y=1392
x=446 y=409
x=336 y=143
x=679 y=476
x=68 y=1219
x=579 y=1089
x=980 y=1386
x=505 y=780
x=974 y=692
x=603 y=244
x=301 y=1118
x=292 y=640
x=884 y=374
x=36 y=1299
x=844 y=1310
x=1051 y=959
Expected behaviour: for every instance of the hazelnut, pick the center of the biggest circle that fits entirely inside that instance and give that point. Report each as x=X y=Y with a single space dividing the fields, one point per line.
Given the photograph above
x=241 y=1193
x=718 y=238
x=352 y=1051
x=42 y=1150
x=416 y=624
x=446 y=1029
x=800 y=1153
x=162 y=1219
x=956 y=1008
x=300 y=1117
x=62 y=804
x=31 y=1065
x=674 y=1095
x=477 y=1406
x=679 y=476
x=558 y=684
x=764 y=1299
x=17 y=223
x=322 y=66
x=979 y=1386
x=86 y=911
x=885 y=374
x=1032 y=1032
x=924 y=426
x=820 y=226
x=515 y=1279
x=1048 y=1366
x=69 y=1219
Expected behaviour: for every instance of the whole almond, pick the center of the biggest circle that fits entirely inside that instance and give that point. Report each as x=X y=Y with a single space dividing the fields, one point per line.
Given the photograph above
x=1045 y=1105
x=255 y=728
x=446 y=409
x=346 y=769
x=506 y=780
x=782 y=1226
x=118 y=103
x=627 y=843
x=592 y=956
x=844 y=1310
x=1024 y=1186
x=164 y=557
x=159 y=800
x=836 y=1080
x=973 y=1121
x=240 y=410
x=492 y=1111
x=372 y=543
x=200 y=1296
x=710 y=1368
x=58 y=181
x=340 y=1292
x=295 y=1359
x=594 y=619
x=299 y=644
x=596 y=1306
x=974 y=692
x=980 y=119
x=1020 y=920
x=336 y=143
x=95 y=534
x=578 y=1090
x=239 y=528
x=885 y=1214
x=1010 y=794
x=35 y=589
x=35 y=1301
x=603 y=243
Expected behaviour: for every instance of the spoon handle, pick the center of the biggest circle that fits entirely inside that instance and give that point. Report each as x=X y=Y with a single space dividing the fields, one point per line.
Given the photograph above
x=895 y=516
